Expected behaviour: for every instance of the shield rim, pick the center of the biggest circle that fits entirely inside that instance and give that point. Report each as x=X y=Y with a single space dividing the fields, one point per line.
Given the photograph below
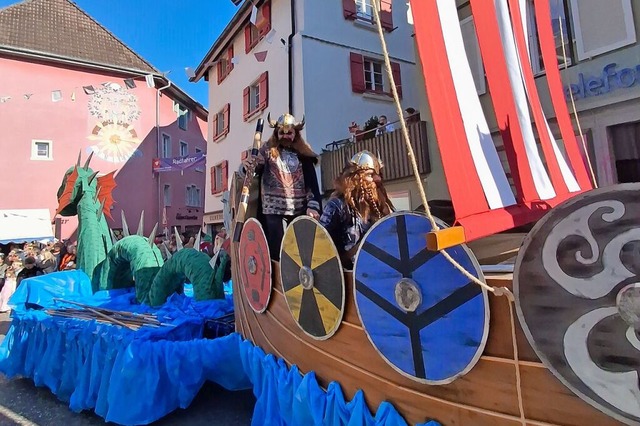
x=632 y=186
x=244 y=287
x=487 y=314
x=342 y=280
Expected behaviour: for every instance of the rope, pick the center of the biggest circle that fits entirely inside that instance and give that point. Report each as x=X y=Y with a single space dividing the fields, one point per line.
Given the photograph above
x=575 y=111
x=497 y=291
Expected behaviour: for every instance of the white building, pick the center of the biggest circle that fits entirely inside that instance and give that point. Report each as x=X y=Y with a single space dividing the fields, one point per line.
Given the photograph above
x=317 y=58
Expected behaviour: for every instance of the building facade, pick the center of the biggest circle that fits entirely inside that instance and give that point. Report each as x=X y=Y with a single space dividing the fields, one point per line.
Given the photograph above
x=70 y=87
x=320 y=60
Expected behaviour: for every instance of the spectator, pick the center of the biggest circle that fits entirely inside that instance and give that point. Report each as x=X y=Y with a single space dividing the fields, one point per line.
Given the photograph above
x=30 y=270
x=3 y=270
x=7 y=290
x=384 y=126
x=412 y=116
x=48 y=263
x=68 y=261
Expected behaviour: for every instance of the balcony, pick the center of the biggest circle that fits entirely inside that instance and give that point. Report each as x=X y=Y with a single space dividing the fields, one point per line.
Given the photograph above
x=389 y=146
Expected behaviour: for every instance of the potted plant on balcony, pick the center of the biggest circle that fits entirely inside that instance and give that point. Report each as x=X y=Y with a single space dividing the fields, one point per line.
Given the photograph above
x=369 y=126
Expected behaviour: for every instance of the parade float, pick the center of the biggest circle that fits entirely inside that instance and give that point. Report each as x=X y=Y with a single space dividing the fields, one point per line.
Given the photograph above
x=416 y=323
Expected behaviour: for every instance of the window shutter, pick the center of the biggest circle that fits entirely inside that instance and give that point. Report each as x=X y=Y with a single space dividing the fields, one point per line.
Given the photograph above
x=229 y=58
x=247 y=37
x=349 y=9
x=357 y=73
x=395 y=70
x=225 y=175
x=215 y=125
x=264 y=24
x=219 y=72
x=602 y=26
x=212 y=173
x=226 y=113
x=245 y=103
x=264 y=90
x=386 y=15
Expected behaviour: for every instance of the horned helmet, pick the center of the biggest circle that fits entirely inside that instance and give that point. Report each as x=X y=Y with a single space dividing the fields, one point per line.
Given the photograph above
x=365 y=160
x=285 y=125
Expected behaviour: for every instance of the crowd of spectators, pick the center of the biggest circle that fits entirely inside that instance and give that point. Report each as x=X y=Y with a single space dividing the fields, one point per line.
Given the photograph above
x=18 y=262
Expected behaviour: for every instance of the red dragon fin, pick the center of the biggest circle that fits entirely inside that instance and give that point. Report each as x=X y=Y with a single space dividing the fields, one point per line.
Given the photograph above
x=70 y=182
x=106 y=184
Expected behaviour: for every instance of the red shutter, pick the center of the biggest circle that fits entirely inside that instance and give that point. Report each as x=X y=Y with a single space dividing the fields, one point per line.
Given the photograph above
x=264 y=25
x=395 y=70
x=212 y=174
x=225 y=175
x=247 y=37
x=357 y=73
x=226 y=113
x=386 y=15
x=230 y=58
x=245 y=103
x=349 y=9
x=264 y=90
x=219 y=72
x=215 y=125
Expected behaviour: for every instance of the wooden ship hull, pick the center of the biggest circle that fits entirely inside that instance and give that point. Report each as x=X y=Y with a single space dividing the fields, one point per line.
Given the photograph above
x=486 y=396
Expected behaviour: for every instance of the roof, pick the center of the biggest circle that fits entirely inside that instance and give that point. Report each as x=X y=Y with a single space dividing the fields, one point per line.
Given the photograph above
x=225 y=37
x=60 y=28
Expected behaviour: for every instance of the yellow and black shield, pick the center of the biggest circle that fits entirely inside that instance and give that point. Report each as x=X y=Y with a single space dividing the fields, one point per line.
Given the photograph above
x=312 y=279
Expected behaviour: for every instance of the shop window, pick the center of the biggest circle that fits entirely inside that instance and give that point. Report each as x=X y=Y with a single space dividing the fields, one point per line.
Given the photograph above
x=369 y=76
x=472 y=48
x=562 y=34
x=254 y=33
x=362 y=10
x=626 y=151
x=219 y=175
x=255 y=97
x=221 y=123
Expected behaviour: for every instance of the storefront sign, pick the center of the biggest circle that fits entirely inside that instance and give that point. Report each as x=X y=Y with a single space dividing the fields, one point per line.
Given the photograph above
x=180 y=216
x=213 y=217
x=609 y=80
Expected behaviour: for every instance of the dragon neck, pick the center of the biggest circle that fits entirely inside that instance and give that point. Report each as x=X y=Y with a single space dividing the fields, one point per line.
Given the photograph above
x=94 y=240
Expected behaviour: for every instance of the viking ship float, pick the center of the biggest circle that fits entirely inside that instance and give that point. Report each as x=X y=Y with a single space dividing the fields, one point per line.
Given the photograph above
x=418 y=324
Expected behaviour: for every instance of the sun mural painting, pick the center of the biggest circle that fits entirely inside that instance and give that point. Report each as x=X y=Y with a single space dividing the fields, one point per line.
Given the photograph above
x=115 y=110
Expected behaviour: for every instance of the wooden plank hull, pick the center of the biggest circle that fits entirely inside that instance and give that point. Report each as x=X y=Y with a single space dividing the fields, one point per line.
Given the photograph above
x=487 y=395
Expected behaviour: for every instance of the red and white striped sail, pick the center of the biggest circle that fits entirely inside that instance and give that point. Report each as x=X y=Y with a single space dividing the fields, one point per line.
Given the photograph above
x=482 y=196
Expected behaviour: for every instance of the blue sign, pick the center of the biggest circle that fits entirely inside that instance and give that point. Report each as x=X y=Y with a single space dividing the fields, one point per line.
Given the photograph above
x=609 y=80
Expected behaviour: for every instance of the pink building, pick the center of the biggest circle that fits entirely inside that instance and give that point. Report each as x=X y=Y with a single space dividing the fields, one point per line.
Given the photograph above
x=69 y=86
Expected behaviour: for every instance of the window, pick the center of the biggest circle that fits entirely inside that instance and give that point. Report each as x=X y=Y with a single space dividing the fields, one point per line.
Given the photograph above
x=255 y=97
x=221 y=123
x=369 y=76
x=472 y=49
x=165 y=149
x=166 y=194
x=200 y=168
x=41 y=150
x=362 y=10
x=184 y=149
x=561 y=34
x=225 y=64
x=219 y=177
x=183 y=116
x=192 y=196
x=254 y=33
x=602 y=26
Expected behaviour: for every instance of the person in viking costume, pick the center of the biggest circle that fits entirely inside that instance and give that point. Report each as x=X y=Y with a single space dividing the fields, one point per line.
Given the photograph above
x=359 y=200
x=288 y=181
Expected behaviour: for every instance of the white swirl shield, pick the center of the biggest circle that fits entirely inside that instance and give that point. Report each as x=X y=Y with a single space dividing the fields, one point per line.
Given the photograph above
x=575 y=286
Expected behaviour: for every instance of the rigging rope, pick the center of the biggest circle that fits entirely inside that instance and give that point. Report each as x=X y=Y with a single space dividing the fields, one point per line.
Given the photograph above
x=497 y=291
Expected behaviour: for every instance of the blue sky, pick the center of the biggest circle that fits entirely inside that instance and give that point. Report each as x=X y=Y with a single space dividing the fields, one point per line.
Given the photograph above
x=170 y=34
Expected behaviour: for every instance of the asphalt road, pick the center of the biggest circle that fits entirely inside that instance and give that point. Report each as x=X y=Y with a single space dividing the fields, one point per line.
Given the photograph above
x=21 y=403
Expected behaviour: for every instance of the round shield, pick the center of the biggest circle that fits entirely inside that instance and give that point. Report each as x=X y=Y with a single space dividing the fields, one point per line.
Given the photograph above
x=311 y=276
x=578 y=300
x=255 y=265
x=423 y=316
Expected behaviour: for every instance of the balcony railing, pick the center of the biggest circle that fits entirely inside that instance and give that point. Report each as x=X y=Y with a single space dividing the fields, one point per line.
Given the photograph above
x=389 y=146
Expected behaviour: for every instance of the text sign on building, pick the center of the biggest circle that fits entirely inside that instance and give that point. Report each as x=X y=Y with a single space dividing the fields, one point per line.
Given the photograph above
x=611 y=78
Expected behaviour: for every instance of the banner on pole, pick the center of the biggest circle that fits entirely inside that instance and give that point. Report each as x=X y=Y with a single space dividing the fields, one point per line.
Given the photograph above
x=178 y=163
